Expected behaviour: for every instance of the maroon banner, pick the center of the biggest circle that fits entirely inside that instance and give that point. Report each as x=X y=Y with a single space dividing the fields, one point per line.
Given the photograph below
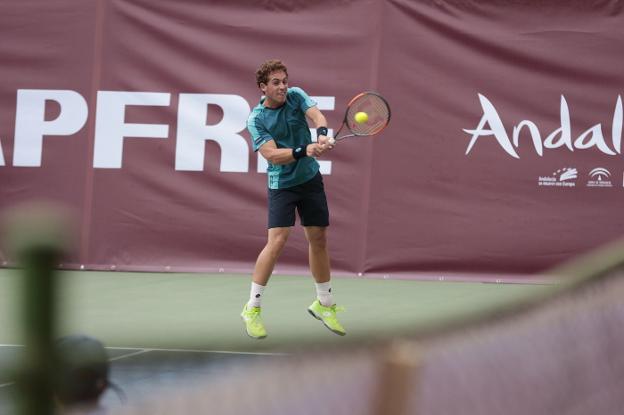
x=503 y=155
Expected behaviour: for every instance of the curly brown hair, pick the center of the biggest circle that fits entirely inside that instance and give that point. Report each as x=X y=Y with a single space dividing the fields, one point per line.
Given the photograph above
x=263 y=72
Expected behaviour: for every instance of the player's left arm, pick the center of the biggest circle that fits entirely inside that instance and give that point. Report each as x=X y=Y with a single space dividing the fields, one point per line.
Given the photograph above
x=318 y=120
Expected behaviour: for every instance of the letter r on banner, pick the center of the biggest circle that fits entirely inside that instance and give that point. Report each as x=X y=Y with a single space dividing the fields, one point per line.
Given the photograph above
x=193 y=132
x=31 y=126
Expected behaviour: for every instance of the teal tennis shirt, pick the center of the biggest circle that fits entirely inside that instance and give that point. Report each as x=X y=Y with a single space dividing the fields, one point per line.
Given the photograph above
x=287 y=126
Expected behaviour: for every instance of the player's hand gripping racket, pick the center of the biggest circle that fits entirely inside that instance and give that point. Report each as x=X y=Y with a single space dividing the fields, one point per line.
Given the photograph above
x=367 y=114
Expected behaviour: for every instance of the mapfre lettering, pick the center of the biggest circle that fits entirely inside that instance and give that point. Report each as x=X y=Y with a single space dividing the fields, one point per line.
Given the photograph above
x=560 y=137
x=111 y=130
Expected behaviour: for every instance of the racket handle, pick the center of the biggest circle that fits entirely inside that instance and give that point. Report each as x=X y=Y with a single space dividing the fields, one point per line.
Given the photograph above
x=332 y=141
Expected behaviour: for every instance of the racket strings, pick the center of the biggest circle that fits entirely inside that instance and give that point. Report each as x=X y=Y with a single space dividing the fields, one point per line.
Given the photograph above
x=377 y=110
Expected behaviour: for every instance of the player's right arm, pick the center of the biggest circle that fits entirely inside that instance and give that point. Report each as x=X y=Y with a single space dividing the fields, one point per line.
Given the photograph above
x=276 y=155
x=265 y=144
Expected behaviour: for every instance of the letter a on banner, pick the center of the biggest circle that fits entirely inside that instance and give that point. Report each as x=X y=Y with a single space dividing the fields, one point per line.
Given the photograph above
x=497 y=129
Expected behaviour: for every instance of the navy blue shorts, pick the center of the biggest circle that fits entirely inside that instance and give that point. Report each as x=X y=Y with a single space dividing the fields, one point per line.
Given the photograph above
x=307 y=198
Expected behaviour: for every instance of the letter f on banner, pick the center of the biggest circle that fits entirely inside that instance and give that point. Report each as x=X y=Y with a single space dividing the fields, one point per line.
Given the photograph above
x=110 y=128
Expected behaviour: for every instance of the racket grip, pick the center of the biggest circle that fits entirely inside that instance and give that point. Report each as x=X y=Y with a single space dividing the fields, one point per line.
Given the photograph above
x=332 y=141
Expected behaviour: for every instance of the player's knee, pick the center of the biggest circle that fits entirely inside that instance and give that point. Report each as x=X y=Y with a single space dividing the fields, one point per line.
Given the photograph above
x=277 y=242
x=317 y=240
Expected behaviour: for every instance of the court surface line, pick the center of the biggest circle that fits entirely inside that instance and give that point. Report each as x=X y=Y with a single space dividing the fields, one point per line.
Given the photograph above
x=2 y=385
x=123 y=356
x=151 y=349
x=142 y=350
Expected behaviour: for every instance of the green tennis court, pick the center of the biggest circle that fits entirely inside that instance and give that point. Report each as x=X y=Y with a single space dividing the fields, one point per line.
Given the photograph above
x=162 y=330
x=202 y=311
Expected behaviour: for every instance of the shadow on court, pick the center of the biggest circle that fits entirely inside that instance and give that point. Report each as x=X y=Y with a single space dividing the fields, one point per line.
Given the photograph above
x=144 y=374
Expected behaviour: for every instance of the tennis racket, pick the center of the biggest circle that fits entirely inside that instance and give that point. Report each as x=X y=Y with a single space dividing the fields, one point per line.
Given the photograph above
x=367 y=114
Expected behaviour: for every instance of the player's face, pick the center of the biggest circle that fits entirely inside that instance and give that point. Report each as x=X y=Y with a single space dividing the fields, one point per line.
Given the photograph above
x=275 y=89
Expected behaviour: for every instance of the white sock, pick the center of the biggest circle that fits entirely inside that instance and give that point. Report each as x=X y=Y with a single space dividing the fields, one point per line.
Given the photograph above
x=255 y=297
x=323 y=292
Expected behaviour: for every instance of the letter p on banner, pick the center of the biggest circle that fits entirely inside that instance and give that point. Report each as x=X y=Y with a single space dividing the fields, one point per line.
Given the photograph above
x=31 y=126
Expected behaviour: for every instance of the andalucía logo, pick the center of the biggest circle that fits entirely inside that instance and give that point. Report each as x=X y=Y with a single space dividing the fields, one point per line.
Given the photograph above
x=563 y=177
x=599 y=177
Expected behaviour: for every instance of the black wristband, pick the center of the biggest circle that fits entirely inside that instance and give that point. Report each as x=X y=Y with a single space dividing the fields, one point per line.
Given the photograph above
x=299 y=152
x=321 y=131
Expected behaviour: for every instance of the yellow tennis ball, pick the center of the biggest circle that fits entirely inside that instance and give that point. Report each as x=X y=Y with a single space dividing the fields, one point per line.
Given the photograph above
x=361 y=117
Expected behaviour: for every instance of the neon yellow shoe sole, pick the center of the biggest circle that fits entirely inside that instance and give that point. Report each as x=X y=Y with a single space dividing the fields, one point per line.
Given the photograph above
x=253 y=322
x=327 y=315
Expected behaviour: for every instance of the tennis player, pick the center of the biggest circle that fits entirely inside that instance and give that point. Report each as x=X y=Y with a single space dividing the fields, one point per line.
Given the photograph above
x=279 y=130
